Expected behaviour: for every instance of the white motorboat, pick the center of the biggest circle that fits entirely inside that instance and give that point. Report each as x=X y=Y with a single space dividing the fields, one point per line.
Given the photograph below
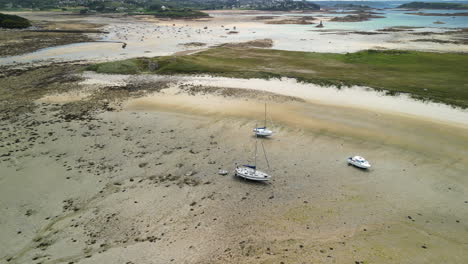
x=251 y=173
x=359 y=162
x=263 y=131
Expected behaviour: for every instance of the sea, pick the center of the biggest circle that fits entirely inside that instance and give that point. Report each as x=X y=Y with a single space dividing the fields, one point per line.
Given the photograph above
x=395 y=17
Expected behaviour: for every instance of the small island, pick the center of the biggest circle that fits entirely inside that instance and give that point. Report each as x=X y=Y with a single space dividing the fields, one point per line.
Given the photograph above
x=356 y=18
x=438 y=14
x=351 y=6
x=425 y=5
x=13 y=21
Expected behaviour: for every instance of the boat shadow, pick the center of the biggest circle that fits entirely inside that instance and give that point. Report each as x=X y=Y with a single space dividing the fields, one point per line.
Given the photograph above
x=251 y=182
x=261 y=137
x=360 y=169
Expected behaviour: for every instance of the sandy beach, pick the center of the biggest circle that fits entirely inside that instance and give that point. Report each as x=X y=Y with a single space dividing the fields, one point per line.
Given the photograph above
x=98 y=168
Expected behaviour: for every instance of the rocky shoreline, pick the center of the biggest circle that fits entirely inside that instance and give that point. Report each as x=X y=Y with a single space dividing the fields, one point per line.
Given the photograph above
x=44 y=35
x=438 y=14
x=356 y=18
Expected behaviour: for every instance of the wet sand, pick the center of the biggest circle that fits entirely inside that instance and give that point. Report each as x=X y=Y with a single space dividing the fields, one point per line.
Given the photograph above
x=137 y=180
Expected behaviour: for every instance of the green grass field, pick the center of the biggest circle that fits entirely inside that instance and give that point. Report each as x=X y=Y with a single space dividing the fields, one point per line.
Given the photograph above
x=439 y=77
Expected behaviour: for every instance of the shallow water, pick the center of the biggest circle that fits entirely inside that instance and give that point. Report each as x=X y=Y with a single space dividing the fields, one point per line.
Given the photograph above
x=399 y=18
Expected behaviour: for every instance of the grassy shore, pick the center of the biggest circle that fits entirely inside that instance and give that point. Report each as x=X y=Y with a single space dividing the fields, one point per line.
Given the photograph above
x=13 y=21
x=439 y=77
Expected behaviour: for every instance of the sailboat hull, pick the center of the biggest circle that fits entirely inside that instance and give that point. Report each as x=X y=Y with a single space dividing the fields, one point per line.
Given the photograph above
x=362 y=164
x=252 y=174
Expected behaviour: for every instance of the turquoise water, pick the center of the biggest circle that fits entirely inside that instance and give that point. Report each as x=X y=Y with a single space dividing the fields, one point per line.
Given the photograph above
x=393 y=17
x=399 y=18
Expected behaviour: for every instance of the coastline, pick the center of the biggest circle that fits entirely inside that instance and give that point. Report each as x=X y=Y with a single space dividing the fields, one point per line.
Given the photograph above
x=148 y=36
x=98 y=168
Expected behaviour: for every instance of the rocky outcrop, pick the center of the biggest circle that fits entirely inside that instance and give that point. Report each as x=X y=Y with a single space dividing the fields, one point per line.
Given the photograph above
x=356 y=18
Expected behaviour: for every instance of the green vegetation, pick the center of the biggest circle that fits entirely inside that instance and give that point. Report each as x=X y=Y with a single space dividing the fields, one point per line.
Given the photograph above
x=286 y=5
x=439 y=77
x=29 y=4
x=12 y=21
x=434 y=5
x=183 y=13
x=108 y=6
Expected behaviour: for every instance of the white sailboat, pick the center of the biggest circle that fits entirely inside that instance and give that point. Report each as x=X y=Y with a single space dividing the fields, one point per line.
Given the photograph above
x=263 y=131
x=250 y=172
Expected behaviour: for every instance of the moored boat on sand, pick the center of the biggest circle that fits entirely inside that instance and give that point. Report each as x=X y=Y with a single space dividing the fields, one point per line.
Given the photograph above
x=359 y=162
x=263 y=131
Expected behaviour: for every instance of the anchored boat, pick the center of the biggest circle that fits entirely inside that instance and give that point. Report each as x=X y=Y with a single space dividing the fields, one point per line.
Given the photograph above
x=263 y=131
x=250 y=172
x=359 y=162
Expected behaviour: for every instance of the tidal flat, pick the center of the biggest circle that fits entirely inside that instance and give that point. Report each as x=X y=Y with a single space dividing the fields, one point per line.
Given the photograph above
x=111 y=155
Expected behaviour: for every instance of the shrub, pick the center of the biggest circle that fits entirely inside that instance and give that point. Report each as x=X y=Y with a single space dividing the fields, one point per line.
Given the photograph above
x=12 y=21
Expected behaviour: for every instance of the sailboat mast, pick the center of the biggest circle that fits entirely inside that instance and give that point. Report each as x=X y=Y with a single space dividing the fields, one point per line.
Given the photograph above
x=255 y=163
x=265 y=115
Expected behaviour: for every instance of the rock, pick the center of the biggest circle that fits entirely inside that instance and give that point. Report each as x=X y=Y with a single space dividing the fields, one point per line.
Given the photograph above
x=223 y=172
x=190 y=173
x=152 y=66
x=356 y=18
